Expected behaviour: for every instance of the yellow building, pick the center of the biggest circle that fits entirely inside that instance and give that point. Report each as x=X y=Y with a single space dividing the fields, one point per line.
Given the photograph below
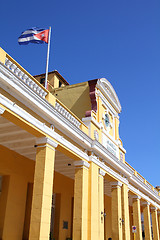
x=63 y=173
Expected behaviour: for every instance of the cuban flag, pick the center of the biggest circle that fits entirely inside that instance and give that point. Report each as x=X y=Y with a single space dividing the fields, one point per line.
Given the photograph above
x=34 y=35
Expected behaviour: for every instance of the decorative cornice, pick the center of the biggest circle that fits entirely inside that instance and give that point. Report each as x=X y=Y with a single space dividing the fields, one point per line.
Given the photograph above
x=81 y=164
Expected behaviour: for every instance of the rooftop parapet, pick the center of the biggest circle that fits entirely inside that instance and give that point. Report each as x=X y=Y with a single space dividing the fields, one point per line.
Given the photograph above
x=21 y=73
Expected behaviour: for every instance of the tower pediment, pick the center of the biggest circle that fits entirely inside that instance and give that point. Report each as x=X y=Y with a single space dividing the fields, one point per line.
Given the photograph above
x=108 y=91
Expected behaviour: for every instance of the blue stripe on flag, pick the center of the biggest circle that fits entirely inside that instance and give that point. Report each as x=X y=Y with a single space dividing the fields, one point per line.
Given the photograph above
x=31 y=41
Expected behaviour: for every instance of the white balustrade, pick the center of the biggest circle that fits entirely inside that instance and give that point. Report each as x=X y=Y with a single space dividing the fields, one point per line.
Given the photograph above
x=67 y=115
x=148 y=185
x=132 y=171
x=156 y=192
x=140 y=177
x=25 y=78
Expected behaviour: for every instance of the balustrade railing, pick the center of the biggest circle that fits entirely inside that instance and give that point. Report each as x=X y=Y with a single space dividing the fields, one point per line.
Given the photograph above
x=67 y=114
x=142 y=179
x=149 y=185
x=28 y=79
x=130 y=167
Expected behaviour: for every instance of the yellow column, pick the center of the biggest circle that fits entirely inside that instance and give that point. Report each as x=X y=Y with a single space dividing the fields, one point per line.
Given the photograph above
x=101 y=204
x=15 y=208
x=125 y=213
x=147 y=221
x=42 y=190
x=93 y=208
x=80 y=215
x=116 y=211
x=137 y=217
x=155 y=223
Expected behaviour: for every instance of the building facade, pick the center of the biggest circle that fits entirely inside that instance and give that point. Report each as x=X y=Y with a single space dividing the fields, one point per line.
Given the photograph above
x=63 y=173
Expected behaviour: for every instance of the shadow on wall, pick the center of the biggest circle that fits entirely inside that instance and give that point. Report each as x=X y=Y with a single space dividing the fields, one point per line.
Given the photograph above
x=82 y=104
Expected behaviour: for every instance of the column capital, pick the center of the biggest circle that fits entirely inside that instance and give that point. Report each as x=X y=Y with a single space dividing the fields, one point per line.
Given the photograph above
x=136 y=197
x=45 y=140
x=81 y=164
x=146 y=203
x=116 y=184
x=153 y=209
x=101 y=172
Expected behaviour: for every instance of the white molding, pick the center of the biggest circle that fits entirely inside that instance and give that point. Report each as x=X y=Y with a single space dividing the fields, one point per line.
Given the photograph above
x=2 y=110
x=101 y=172
x=45 y=140
x=122 y=149
x=81 y=163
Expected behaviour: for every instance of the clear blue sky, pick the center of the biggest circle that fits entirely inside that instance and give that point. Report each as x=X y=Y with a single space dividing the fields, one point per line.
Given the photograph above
x=118 y=40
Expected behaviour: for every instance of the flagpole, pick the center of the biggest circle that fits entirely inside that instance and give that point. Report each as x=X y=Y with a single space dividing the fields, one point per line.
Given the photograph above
x=46 y=76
